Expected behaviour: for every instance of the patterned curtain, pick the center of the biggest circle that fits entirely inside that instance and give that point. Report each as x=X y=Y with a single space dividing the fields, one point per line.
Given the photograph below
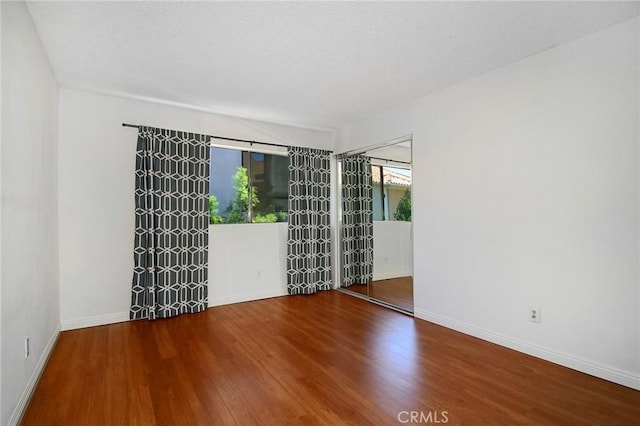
x=309 y=238
x=172 y=224
x=357 y=221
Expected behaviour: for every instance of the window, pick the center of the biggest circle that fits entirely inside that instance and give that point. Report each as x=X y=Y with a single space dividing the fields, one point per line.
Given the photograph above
x=391 y=193
x=248 y=187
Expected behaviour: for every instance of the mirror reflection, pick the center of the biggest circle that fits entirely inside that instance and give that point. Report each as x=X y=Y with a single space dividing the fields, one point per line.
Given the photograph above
x=376 y=230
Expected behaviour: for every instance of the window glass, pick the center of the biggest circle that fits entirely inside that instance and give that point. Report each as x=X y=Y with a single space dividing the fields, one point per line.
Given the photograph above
x=225 y=165
x=248 y=187
x=378 y=194
x=391 y=193
x=269 y=176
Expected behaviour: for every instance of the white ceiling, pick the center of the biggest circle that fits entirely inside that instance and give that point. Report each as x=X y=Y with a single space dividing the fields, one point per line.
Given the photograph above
x=320 y=64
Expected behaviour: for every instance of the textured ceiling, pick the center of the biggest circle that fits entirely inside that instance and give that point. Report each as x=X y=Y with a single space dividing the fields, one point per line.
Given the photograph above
x=320 y=64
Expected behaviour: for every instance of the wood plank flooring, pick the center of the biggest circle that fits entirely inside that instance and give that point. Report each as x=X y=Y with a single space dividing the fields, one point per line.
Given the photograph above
x=325 y=359
x=396 y=291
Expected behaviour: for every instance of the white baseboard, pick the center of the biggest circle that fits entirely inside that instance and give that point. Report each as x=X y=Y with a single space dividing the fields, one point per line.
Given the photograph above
x=621 y=377
x=95 y=321
x=246 y=297
x=124 y=316
x=33 y=380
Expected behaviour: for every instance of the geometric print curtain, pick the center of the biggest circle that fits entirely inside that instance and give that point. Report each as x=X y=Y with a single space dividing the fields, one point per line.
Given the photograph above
x=357 y=221
x=309 y=228
x=171 y=224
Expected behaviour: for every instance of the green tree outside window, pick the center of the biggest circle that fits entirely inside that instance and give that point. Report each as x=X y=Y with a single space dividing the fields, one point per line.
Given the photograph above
x=403 y=211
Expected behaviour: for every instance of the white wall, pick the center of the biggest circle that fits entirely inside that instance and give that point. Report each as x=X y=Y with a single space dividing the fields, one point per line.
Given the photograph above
x=392 y=249
x=247 y=262
x=526 y=194
x=29 y=208
x=96 y=182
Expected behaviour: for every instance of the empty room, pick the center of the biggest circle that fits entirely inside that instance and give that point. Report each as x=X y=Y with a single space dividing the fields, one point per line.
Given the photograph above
x=320 y=213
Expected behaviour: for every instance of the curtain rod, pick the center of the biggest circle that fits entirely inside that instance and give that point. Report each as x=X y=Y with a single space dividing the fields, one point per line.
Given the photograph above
x=137 y=126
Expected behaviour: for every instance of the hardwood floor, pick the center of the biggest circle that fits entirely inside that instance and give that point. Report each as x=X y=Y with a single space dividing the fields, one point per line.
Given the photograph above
x=326 y=359
x=396 y=291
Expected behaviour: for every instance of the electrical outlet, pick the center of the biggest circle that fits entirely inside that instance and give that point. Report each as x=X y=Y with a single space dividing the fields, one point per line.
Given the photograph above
x=534 y=315
x=259 y=274
x=26 y=348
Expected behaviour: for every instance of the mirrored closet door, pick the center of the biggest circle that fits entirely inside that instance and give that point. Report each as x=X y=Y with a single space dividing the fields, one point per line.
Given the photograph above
x=376 y=245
